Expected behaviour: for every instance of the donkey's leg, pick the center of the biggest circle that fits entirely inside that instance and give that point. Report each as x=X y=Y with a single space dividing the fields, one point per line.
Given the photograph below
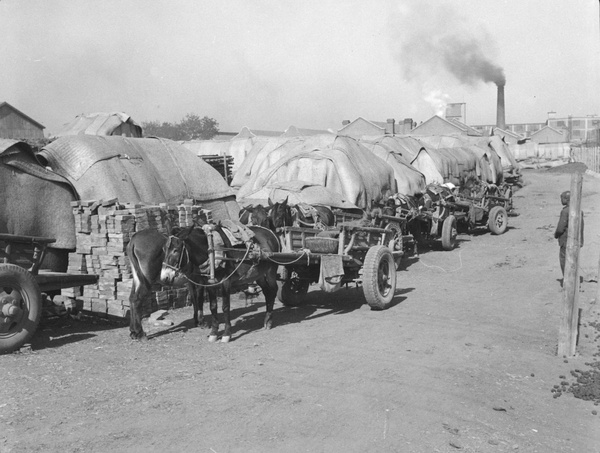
x=268 y=284
x=136 y=299
x=214 y=330
x=226 y=309
x=197 y=295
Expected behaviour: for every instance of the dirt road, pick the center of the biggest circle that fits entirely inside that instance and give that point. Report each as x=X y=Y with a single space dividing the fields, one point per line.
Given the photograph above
x=464 y=360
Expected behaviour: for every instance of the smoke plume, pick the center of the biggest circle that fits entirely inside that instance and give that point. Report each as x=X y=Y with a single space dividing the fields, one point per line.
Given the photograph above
x=433 y=36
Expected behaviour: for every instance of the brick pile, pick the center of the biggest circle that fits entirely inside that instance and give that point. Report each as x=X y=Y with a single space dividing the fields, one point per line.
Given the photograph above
x=103 y=230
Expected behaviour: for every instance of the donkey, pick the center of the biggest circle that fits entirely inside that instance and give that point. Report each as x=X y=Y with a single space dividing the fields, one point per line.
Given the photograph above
x=146 y=252
x=256 y=215
x=320 y=217
x=180 y=256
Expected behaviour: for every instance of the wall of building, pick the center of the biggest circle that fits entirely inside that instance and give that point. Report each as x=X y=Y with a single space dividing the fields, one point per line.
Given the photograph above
x=15 y=126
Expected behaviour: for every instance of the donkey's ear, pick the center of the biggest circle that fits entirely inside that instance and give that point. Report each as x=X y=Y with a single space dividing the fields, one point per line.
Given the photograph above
x=270 y=202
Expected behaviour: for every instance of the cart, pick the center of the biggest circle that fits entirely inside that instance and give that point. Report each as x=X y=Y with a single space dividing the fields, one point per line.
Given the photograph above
x=21 y=286
x=367 y=256
x=486 y=205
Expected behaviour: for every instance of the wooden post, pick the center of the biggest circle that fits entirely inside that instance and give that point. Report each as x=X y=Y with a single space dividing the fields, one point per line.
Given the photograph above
x=567 y=333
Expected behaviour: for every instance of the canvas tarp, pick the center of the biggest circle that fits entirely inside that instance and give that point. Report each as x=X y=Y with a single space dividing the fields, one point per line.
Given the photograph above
x=237 y=147
x=339 y=163
x=305 y=192
x=114 y=123
x=495 y=142
x=264 y=153
x=409 y=180
x=148 y=170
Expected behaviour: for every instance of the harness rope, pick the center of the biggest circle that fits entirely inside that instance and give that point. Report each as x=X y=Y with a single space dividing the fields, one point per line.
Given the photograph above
x=178 y=271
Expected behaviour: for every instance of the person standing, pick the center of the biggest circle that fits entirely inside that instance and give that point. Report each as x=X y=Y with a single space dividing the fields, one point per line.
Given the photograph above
x=562 y=229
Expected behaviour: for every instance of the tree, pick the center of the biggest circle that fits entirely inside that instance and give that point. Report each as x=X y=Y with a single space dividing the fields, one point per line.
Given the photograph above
x=191 y=127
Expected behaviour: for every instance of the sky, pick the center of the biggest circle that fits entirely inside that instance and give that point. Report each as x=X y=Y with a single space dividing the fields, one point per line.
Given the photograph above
x=271 y=64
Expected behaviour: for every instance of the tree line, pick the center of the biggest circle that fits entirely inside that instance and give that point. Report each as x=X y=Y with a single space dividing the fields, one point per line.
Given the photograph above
x=191 y=127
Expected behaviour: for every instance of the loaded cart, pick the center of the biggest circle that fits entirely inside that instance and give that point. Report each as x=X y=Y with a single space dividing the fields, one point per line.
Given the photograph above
x=22 y=284
x=348 y=253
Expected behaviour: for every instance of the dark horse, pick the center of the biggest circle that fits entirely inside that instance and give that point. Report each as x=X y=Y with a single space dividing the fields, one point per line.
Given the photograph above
x=256 y=215
x=184 y=255
x=300 y=215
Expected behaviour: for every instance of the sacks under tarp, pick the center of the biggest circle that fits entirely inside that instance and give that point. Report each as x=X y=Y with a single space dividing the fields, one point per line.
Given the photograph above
x=495 y=142
x=445 y=165
x=296 y=192
x=238 y=148
x=339 y=163
x=263 y=154
x=486 y=155
x=148 y=170
x=409 y=180
x=113 y=123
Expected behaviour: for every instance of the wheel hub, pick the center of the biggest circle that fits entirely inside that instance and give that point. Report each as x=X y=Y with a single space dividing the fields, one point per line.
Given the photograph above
x=9 y=309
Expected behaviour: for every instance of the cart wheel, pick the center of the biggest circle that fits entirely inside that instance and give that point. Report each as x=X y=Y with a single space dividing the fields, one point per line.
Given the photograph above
x=379 y=277
x=20 y=307
x=449 y=233
x=498 y=220
x=292 y=291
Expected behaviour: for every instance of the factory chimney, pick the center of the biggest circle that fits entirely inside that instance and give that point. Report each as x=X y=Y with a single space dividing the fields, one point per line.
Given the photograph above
x=500 y=116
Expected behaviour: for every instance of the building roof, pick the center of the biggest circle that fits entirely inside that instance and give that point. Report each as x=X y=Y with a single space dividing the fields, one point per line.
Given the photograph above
x=28 y=118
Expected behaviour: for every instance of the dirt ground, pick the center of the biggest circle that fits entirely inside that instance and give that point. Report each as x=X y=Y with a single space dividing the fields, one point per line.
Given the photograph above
x=464 y=360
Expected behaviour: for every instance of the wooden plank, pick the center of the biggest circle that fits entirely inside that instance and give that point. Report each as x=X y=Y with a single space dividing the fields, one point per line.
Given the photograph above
x=567 y=335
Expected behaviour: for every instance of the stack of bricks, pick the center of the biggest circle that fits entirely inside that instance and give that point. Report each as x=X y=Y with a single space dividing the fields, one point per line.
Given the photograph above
x=103 y=230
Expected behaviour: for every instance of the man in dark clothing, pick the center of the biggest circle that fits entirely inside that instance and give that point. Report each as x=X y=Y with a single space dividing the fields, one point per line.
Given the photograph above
x=562 y=229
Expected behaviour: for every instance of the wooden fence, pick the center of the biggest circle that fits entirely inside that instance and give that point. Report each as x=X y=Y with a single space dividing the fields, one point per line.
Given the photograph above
x=589 y=155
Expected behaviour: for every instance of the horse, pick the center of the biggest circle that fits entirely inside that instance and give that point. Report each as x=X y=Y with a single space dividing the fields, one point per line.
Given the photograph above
x=256 y=215
x=180 y=256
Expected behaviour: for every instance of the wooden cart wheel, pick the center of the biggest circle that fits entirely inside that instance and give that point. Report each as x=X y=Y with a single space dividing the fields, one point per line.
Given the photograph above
x=449 y=233
x=20 y=307
x=292 y=291
x=498 y=220
x=379 y=277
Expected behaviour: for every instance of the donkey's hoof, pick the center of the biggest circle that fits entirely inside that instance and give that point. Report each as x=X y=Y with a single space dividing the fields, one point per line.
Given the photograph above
x=225 y=338
x=212 y=338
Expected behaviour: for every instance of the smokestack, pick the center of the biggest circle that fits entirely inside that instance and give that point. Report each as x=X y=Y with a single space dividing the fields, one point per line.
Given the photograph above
x=500 y=116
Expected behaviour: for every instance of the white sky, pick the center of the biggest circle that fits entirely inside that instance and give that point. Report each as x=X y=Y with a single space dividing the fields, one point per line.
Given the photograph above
x=269 y=64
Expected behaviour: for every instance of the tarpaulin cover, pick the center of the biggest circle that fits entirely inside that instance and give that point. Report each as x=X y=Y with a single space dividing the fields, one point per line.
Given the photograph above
x=238 y=148
x=19 y=154
x=509 y=163
x=264 y=153
x=409 y=180
x=305 y=192
x=114 y=123
x=339 y=163
x=148 y=170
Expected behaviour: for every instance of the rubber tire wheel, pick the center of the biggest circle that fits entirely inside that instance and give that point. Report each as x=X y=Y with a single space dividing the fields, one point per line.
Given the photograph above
x=498 y=220
x=379 y=277
x=21 y=280
x=449 y=233
x=292 y=291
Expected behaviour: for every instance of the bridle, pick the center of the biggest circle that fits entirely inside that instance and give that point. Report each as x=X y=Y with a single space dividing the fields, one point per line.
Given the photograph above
x=180 y=265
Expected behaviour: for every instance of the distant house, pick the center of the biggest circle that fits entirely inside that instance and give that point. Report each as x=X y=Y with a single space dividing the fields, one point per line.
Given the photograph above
x=548 y=134
x=18 y=126
x=361 y=127
x=115 y=123
x=509 y=137
x=436 y=125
